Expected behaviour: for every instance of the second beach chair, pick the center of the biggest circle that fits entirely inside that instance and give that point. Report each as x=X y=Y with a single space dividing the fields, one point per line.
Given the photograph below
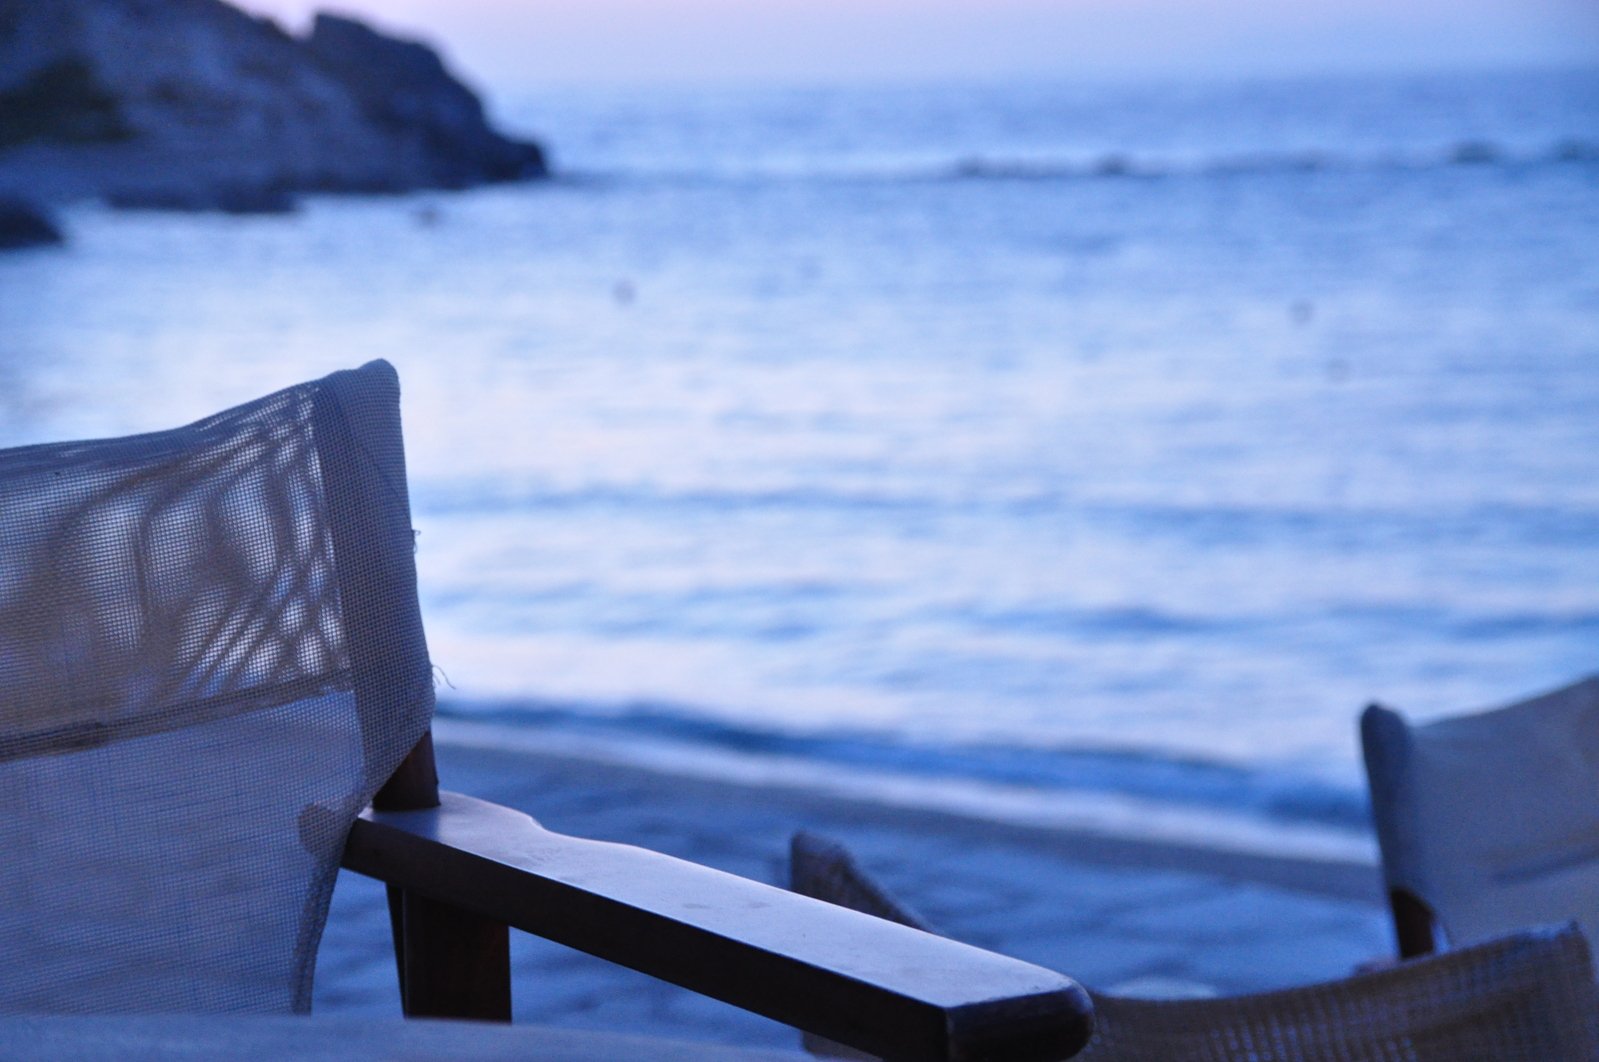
x=1520 y=998
x=1490 y=821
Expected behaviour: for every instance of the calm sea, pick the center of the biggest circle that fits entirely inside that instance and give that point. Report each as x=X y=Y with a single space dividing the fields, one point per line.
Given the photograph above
x=1082 y=447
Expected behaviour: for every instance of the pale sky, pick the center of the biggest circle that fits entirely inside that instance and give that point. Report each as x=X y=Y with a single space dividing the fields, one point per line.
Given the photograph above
x=506 y=44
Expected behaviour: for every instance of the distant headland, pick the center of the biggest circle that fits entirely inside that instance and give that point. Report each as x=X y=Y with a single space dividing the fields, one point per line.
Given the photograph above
x=196 y=105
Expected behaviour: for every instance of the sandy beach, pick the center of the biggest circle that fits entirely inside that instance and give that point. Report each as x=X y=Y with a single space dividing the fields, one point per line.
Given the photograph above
x=1123 y=914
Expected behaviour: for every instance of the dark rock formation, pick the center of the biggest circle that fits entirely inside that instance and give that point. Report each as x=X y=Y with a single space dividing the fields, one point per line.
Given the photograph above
x=23 y=225
x=223 y=198
x=404 y=87
x=61 y=100
x=193 y=104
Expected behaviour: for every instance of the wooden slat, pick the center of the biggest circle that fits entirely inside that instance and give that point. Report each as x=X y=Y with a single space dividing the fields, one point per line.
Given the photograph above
x=884 y=988
x=414 y=784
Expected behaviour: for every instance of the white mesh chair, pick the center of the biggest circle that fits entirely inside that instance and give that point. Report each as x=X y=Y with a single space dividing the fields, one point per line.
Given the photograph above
x=1488 y=822
x=1527 y=997
x=212 y=659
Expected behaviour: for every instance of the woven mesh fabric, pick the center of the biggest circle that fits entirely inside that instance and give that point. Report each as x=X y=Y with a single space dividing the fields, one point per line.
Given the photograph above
x=211 y=655
x=1490 y=818
x=1521 y=998
x=1527 y=997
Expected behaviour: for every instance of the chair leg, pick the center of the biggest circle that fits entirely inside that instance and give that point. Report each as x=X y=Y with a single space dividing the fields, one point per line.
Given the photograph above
x=396 y=897
x=1413 y=924
x=452 y=963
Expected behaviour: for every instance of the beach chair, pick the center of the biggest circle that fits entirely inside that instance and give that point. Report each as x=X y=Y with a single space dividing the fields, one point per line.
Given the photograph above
x=212 y=662
x=1526 y=996
x=1488 y=822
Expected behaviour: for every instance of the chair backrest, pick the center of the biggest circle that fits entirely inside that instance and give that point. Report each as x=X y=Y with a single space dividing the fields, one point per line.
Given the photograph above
x=211 y=655
x=1527 y=995
x=1491 y=820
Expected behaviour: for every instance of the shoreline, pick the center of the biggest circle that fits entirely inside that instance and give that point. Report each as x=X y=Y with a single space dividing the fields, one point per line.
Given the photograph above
x=804 y=790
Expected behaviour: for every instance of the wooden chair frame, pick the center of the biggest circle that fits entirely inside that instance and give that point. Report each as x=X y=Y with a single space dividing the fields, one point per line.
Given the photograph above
x=461 y=871
x=1415 y=926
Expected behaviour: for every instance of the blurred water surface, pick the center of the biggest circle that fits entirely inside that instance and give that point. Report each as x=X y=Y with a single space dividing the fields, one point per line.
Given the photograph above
x=1108 y=440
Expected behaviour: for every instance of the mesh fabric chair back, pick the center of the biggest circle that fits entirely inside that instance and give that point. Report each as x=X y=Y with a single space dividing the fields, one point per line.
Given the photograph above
x=211 y=656
x=1492 y=820
x=1529 y=997
x=1521 y=998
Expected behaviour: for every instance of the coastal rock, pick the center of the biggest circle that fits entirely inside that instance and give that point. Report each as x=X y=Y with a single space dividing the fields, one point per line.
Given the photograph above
x=193 y=104
x=23 y=225
x=403 y=86
x=224 y=198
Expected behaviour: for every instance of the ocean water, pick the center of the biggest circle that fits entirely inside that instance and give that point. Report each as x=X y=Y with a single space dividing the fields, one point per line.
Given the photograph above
x=1089 y=447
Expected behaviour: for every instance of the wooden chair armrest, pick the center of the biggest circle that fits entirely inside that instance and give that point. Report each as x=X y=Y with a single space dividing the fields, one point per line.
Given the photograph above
x=880 y=987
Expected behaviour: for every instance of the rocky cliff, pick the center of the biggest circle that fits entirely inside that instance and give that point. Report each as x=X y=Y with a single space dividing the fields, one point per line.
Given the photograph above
x=196 y=103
